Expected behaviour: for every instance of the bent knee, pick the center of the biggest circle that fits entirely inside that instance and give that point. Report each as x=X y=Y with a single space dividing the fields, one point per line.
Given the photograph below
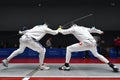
x=42 y=51
x=69 y=48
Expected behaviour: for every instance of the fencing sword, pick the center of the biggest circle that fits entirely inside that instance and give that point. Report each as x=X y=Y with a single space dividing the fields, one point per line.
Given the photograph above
x=75 y=20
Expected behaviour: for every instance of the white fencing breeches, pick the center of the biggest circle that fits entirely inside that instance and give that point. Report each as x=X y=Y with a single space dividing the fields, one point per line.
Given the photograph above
x=82 y=46
x=26 y=41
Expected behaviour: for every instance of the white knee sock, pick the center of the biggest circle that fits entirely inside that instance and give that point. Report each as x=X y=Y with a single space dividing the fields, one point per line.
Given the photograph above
x=41 y=58
x=68 y=56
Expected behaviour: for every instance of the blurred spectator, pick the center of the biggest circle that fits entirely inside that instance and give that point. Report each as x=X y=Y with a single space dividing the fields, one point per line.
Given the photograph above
x=101 y=45
x=117 y=44
x=15 y=45
x=97 y=38
x=3 y=44
x=49 y=43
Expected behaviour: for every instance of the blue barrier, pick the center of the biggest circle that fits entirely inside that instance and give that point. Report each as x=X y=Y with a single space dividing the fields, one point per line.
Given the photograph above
x=6 y=52
x=50 y=53
x=113 y=53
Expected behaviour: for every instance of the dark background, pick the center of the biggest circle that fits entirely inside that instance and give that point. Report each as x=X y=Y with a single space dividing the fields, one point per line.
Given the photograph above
x=15 y=14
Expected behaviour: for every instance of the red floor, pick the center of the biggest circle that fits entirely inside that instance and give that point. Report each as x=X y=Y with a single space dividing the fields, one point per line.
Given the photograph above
x=62 y=78
x=61 y=60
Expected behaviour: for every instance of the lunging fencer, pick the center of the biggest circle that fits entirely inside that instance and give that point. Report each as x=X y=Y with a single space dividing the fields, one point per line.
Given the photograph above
x=30 y=38
x=86 y=42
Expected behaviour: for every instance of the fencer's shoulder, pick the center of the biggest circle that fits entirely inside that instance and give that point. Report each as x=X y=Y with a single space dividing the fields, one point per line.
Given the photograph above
x=37 y=25
x=74 y=25
x=45 y=25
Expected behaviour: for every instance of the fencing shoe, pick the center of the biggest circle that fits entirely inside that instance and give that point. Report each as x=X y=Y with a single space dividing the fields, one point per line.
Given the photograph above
x=115 y=69
x=43 y=67
x=65 y=68
x=5 y=62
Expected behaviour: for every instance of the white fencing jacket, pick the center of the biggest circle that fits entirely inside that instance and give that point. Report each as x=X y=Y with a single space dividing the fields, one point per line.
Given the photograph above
x=39 y=32
x=80 y=32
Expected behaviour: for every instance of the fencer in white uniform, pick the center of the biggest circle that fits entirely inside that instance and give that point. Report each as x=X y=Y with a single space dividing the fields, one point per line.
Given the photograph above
x=86 y=42
x=30 y=39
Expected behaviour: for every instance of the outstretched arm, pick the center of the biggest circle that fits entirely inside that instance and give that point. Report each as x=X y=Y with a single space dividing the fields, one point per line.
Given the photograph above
x=94 y=30
x=23 y=32
x=50 y=31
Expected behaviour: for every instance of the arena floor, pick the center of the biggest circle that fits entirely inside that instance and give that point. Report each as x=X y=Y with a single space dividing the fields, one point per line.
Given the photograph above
x=81 y=69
